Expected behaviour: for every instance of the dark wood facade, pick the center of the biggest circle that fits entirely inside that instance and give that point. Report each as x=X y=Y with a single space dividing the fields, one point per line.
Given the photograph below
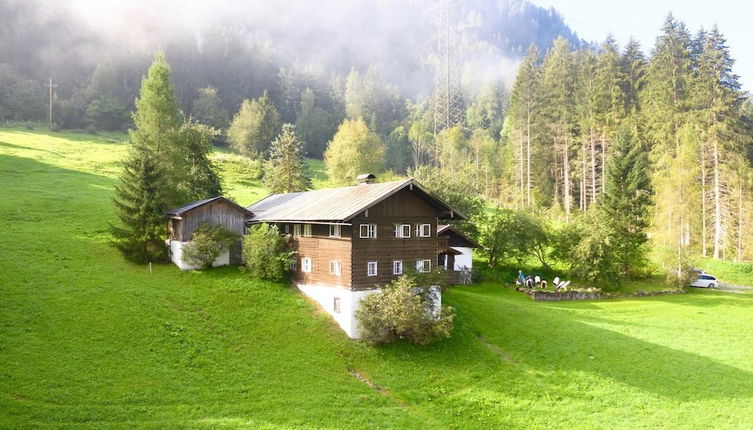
x=404 y=207
x=354 y=253
x=321 y=249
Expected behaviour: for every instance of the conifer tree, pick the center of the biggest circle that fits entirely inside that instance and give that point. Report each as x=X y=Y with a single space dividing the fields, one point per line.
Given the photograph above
x=157 y=117
x=139 y=205
x=718 y=96
x=557 y=81
x=625 y=204
x=524 y=104
x=168 y=165
x=286 y=170
x=664 y=104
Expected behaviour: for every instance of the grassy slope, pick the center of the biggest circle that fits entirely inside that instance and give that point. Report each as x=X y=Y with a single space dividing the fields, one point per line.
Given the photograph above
x=87 y=339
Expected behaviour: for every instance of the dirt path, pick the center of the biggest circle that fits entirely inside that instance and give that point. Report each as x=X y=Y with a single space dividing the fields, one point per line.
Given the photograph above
x=737 y=289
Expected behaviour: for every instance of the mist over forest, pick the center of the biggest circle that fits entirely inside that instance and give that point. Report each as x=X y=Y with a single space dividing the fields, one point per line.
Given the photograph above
x=245 y=49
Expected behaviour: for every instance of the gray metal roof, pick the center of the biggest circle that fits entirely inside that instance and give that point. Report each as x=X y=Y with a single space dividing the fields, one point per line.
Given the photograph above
x=193 y=205
x=337 y=204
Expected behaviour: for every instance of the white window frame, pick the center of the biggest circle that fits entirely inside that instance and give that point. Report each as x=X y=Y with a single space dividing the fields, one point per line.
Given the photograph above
x=403 y=231
x=335 y=230
x=335 y=267
x=296 y=230
x=369 y=271
x=287 y=228
x=307 y=230
x=294 y=264
x=425 y=230
x=306 y=264
x=397 y=267
x=336 y=305
x=370 y=231
x=423 y=266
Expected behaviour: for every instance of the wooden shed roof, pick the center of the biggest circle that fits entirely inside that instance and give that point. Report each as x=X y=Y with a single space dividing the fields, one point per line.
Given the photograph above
x=448 y=229
x=339 y=204
x=198 y=203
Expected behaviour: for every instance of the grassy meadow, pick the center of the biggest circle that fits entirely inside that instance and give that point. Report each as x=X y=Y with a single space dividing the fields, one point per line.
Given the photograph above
x=88 y=340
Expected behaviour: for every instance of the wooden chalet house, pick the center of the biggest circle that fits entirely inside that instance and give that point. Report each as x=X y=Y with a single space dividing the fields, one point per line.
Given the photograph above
x=349 y=240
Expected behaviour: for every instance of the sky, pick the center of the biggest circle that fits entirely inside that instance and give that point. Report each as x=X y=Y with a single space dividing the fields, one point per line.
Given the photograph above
x=642 y=19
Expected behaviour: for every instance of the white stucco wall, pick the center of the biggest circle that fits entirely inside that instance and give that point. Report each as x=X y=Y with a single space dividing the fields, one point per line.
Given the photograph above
x=349 y=301
x=464 y=260
x=176 y=254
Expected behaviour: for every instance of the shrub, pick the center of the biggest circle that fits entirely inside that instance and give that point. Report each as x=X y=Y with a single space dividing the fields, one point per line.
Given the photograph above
x=507 y=234
x=266 y=253
x=209 y=241
x=403 y=311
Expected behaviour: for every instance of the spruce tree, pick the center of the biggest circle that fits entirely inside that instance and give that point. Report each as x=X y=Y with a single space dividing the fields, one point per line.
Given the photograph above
x=286 y=170
x=168 y=165
x=664 y=104
x=139 y=205
x=524 y=105
x=625 y=204
x=557 y=82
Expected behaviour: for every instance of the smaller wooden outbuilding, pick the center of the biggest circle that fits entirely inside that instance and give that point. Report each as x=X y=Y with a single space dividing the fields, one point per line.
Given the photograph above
x=217 y=210
x=455 y=252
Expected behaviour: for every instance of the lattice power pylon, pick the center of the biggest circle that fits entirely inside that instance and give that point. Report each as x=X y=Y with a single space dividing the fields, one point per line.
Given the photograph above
x=448 y=101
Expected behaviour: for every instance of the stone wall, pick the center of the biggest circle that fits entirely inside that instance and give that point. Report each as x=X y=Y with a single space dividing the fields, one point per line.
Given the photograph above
x=549 y=296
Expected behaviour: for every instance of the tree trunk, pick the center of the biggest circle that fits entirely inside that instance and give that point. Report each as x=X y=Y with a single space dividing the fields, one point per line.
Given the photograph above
x=528 y=156
x=566 y=172
x=593 y=167
x=717 y=203
x=704 y=245
x=740 y=221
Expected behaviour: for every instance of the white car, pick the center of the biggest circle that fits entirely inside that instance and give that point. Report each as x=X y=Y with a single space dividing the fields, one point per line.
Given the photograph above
x=705 y=281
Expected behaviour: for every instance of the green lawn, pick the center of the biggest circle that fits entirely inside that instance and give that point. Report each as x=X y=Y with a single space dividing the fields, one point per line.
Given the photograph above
x=90 y=341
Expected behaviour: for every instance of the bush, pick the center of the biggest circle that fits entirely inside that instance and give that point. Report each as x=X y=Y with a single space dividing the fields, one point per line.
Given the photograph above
x=507 y=234
x=403 y=311
x=266 y=253
x=209 y=241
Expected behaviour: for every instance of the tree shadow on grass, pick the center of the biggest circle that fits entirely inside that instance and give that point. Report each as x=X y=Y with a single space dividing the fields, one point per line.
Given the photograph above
x=542 y=337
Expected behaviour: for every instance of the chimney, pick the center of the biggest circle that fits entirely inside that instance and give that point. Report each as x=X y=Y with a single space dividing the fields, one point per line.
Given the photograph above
x=366 y=178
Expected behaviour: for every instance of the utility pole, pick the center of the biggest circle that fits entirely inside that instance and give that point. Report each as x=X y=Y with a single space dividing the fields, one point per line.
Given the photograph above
x=448 y=102
x=51 y=86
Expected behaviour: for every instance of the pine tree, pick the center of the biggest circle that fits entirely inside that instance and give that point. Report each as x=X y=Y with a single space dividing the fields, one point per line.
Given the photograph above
x=139 y=205
x=633 y=65
x=557 y=81
x=718 y=96
x=625 y=204
x=286 y=170
x=254 y=127
x=524 y=104
x=168 y=165
x=664 y=105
